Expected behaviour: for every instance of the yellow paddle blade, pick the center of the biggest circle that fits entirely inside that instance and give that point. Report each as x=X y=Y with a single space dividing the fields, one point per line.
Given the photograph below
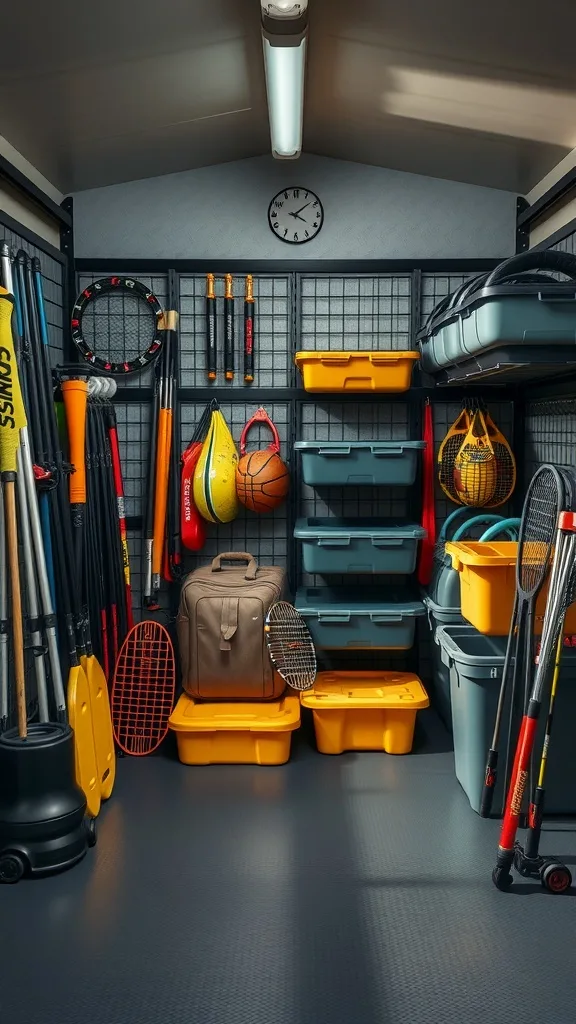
x=12 y=413
x=101 y=724
x=80 y=718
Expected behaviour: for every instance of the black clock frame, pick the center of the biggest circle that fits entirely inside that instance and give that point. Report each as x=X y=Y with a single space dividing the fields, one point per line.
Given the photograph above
x=290 y=241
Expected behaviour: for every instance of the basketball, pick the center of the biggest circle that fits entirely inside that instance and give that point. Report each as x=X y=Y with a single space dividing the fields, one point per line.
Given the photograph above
x=262 y=480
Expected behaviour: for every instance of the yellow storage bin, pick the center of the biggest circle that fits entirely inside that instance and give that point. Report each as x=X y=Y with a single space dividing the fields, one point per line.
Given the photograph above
x=235 y=733
x=356 y=371
x=365 y=710
x=488 y=584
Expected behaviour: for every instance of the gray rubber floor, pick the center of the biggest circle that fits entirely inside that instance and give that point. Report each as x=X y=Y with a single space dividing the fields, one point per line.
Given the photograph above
x=345 y=890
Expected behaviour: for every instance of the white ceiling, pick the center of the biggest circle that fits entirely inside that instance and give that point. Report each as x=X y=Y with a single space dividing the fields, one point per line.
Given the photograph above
x=94 y=94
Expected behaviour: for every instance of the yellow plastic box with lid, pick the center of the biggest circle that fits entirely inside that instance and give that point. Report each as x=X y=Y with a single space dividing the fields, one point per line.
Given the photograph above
x=365 y=710
x=235 y=733
x=488 y=585
x=356 y=370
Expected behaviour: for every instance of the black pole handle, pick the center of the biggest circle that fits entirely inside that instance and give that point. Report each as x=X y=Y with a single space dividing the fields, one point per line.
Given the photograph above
x=490 y=777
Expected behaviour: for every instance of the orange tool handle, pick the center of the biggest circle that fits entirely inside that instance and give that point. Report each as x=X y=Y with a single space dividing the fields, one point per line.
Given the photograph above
x=161 y=488
x=75 y=394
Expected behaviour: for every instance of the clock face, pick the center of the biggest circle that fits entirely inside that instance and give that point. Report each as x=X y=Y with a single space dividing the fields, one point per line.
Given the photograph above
x=295 y=215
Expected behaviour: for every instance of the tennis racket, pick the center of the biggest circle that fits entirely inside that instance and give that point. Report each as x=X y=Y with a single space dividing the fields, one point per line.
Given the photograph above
x=290 y=646
x=144 y=688
x=116 y=325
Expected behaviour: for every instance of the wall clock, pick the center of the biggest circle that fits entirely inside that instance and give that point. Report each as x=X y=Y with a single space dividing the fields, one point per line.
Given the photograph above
x=295 y=215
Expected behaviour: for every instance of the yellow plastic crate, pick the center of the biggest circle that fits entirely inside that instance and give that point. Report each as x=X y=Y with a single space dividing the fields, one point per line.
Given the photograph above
x=235 y=733
x=488 y=585
x=356 y=371
x=365 y=710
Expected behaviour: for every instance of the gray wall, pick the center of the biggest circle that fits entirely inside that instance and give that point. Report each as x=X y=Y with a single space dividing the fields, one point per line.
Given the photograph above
x=221 y=212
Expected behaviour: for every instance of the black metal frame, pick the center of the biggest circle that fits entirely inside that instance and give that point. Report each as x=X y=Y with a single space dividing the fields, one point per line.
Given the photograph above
x=33 y=193
x=552 y=196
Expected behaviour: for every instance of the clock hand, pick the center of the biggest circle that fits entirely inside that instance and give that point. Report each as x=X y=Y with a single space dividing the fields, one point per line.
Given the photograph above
x=302 y=208
x=298 y=217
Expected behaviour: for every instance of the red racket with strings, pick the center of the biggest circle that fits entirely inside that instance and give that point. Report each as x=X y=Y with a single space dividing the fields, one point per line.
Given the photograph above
x=143 y=690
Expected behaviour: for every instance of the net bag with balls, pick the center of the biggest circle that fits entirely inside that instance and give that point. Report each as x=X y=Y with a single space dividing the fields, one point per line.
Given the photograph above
x=262 y=478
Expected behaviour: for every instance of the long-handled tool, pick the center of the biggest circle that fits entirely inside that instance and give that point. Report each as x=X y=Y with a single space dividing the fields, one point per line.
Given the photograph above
x=112 y=429
x=555 y=876
x=75 y=394
x=12 y=421
x=228 y=328
x=38 y=553
x=249 y=331
x=4 y=623
x=211 y=343
x=542 y=506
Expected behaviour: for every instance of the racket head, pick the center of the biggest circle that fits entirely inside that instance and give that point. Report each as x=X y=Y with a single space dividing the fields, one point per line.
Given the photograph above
x=143 y=689
x=290 y=646
x=116 y=325
x=543 y=503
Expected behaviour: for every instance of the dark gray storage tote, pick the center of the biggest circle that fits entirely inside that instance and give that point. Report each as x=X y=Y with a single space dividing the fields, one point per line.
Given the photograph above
x=507 y=323
x=475 y=663
x=438 y=615
x=358 y=545
x=341 y=463
x=344 y=617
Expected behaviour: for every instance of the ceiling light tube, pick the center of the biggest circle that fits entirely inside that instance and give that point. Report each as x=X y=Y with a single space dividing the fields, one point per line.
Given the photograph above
x=284 y=29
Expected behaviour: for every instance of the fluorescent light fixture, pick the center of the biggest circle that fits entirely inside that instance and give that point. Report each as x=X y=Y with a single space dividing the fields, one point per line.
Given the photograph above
x=284 y=67
x=284 y=30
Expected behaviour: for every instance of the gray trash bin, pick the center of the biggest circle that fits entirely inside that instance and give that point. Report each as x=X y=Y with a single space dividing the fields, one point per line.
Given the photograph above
x=475 y=663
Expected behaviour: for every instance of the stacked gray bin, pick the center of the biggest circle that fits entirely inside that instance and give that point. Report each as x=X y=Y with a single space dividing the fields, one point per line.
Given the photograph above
x=345 y=617
x=474 y=663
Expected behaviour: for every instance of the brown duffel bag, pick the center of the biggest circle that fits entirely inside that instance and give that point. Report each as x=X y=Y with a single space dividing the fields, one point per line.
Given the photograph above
x=221 y=620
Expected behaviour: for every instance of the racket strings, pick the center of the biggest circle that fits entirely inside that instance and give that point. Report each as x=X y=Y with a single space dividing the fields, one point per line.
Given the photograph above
x=539 y=525
x=143 y=692
x=118 y=326
x=290 y=646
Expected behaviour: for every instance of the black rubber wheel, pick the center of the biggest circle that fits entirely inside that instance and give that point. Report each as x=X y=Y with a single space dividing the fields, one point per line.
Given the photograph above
x=12 y=867
x=502 y=879
x=91 y=836
x=555 y=877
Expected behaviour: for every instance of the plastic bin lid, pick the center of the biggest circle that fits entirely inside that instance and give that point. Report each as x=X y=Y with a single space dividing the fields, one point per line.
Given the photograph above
x=366 y=690
x=346 y=447
x=346 y=356
x=500 y=554
x=373 y=528
x=274 y=716
x=342 y=602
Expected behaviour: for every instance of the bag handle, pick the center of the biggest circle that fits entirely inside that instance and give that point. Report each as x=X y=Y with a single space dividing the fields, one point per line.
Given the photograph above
x=549 y=259
x=261 y=416
x=237 y=556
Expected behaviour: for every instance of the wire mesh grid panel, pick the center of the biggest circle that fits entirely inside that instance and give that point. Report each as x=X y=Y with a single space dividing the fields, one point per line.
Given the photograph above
x=52 y=289
x=264 y=536
x=120 y=326
x=355 y=312
x=273 y=365
x=444 y=414
x=550 y=433
x=365 y=421
x=436 y=287
x=134 y=420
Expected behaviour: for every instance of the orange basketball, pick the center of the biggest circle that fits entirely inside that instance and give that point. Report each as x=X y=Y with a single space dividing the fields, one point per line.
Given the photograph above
x=262 y=480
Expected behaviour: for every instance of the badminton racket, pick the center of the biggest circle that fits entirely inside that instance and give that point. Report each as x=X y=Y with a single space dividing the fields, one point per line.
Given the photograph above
x=290 y=646
x=116 y=325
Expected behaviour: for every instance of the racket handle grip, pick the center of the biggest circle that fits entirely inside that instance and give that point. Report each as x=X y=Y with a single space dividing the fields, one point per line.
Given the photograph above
x=75 y=394
x=535 y=815
x=490 y=777
x=211 y=358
